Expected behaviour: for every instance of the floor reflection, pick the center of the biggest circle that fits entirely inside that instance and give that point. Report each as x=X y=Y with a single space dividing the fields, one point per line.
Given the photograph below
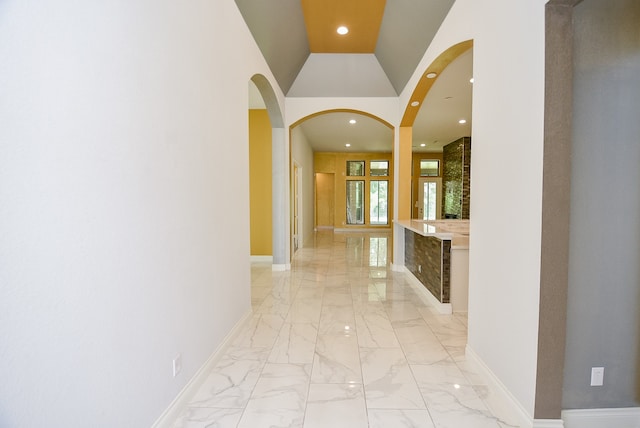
x=342 y=340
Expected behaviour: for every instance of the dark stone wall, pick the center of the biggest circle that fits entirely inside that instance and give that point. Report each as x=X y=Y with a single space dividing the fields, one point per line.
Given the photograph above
x=433 y=255
x=456 y=179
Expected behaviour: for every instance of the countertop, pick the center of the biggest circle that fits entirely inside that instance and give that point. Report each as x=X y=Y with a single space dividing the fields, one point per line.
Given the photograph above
x=455 y=230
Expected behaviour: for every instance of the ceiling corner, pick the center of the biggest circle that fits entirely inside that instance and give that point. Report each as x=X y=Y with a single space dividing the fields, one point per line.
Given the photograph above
x=279 y=31
x=406 y=32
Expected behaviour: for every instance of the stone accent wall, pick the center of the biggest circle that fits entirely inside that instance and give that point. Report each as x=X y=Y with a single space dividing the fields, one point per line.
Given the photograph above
x=429 y=259
x=456 y=179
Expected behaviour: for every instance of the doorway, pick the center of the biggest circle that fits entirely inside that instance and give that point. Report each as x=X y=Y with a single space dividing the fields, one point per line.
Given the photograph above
x=429 y=198
x=325 y=197
x=297 y=207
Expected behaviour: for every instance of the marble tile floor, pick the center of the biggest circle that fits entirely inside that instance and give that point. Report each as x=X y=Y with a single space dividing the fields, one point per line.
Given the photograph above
x=342 y=341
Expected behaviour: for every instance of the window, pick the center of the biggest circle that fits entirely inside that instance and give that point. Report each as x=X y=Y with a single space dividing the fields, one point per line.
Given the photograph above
x=355 y=168
x=355 y=202
x=378 y=202
x=379 y=169
x=429 y=168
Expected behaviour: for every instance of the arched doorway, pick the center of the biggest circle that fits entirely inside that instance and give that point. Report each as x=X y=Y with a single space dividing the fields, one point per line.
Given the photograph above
x=434 y=155
x=337 y=138
x=409 y=125
x=278 y=176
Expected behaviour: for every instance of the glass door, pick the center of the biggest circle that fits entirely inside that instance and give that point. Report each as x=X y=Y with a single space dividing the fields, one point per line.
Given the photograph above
x=430 y=198
x=355 y=202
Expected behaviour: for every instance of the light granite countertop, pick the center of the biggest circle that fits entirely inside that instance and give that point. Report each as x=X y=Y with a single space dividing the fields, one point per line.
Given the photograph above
x=455 y=230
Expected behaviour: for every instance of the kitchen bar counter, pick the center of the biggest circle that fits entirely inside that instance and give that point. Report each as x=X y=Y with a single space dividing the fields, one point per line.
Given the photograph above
x=436 y=254
x=457 y=231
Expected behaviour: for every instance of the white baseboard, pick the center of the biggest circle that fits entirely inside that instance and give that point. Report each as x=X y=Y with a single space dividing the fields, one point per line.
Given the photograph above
x=504 y=404
x=261 y=259
x=397 y=268
x=177 y=406
x=425 y=295
x=280 y=267
x=578 y=418
x=602 y=418
x=547 y=423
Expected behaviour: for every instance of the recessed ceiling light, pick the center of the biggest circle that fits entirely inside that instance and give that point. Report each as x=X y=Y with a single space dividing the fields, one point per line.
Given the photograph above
x=352 y=121
x=422 y=145
x=431 y=75
x=462 y=121
x=347 y=145
x=415 y=103
x=342 y=30
x=471 y=80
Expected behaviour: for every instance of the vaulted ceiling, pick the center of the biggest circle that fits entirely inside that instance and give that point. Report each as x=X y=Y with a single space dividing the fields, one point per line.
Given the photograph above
x=376 y=58
x=385 y=42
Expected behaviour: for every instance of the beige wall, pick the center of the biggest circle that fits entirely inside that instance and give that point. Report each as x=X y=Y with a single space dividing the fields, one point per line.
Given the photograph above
x=336 y=163
x=260 y=182
x=325 y=199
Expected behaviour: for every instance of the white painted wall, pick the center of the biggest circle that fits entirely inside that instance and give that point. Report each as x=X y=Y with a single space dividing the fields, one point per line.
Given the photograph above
x=506 y=177
x=302 y=153
x=119 y=245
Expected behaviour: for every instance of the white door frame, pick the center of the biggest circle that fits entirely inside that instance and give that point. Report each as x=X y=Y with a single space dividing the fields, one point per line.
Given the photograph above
x=421 y=181
x=297 y=214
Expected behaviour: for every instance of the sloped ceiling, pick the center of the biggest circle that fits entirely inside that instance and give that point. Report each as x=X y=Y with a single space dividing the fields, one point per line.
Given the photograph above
x=319 y=63
x=401 y=38
x=279 y=30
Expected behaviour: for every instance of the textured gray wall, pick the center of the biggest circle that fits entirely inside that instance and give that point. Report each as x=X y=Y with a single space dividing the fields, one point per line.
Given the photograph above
x=603 y=327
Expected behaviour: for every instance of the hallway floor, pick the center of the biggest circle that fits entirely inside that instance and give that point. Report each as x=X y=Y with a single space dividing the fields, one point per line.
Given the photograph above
x=342 y=341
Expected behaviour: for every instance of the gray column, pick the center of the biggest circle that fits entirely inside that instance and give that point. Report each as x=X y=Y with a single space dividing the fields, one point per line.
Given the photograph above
x=280 y=192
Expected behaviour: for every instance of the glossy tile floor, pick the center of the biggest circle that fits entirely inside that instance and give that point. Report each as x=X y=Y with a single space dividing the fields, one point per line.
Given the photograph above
x=341 y=341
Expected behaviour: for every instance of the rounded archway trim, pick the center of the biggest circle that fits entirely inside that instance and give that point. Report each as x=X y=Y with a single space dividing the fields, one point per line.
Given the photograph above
x=425 y=83
x=270 y=100
x=342 y=110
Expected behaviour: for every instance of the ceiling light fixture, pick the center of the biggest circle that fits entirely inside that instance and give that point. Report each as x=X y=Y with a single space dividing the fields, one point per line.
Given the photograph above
x=347 y=145
x=422 y=145
x=342 y=30
x=431 y=75
x=462 y=121
x=352 y=121
x=471 y=80
x=415 y=103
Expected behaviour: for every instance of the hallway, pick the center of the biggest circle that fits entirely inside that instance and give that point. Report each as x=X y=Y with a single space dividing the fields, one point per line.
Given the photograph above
x=342 y=341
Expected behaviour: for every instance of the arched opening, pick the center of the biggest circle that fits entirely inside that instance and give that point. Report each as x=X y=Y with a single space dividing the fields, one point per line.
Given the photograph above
x=346 y=183
x=433 y=127
x=434 y=184
x=274 y=206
